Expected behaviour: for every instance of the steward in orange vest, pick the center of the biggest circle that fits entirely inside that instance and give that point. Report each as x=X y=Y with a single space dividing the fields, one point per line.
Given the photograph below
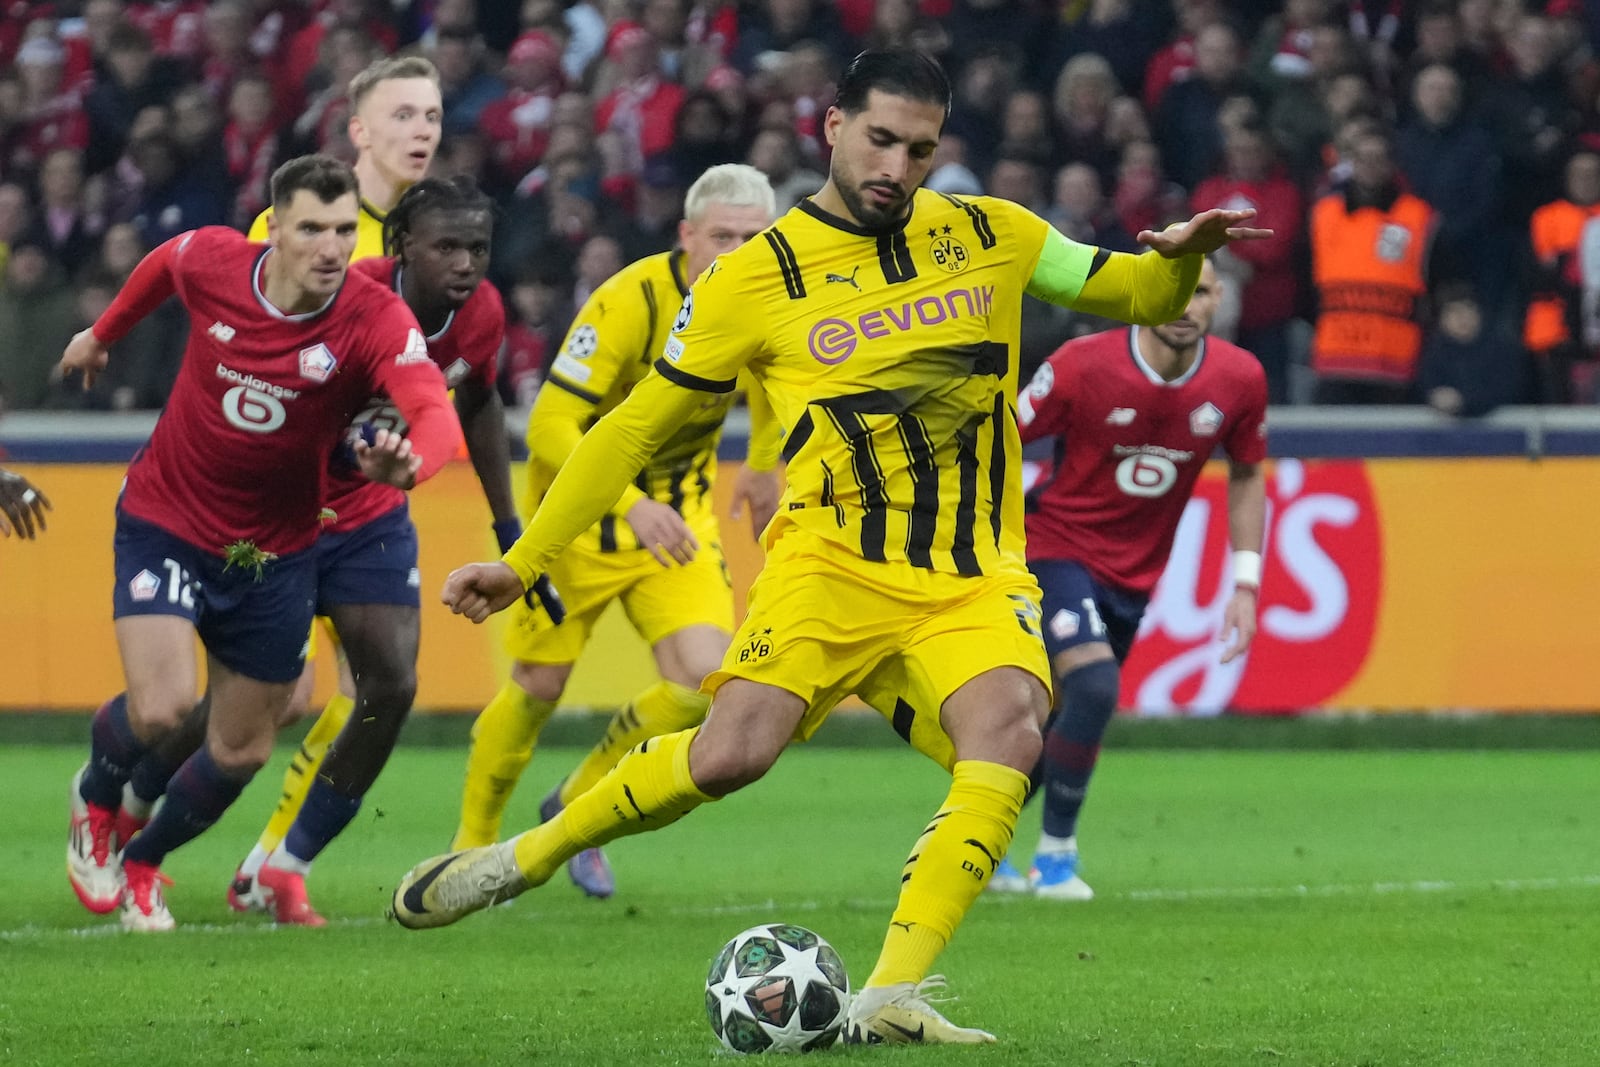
x=1555 y=230
x=1369 y=251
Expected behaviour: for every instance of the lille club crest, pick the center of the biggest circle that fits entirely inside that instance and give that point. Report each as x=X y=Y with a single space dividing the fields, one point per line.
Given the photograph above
x=144 y=586
x=316 y=362
x=1205 y=420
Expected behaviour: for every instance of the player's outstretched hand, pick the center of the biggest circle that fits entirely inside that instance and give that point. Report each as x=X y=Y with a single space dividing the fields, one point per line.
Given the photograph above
x=388 y=459
x=662 y=531
x=1239 y=623
x=86 y=354
x=22 y=507
x=478 y=590
x=1206 y=232
x=759 y=491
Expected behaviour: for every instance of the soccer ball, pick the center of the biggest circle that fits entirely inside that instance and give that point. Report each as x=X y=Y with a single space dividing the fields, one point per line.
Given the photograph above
x=777 y=988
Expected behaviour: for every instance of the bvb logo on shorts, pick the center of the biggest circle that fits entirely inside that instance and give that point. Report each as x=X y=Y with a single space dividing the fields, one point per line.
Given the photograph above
x=951 y=254
x=757 y=648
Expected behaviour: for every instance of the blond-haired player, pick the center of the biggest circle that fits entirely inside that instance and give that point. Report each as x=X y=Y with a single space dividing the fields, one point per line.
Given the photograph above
x=684 y=611
x=396 y=118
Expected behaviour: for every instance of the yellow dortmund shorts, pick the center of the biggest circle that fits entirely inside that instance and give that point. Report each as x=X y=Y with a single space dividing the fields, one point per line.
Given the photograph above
x=824 y=623
x=311 y=638
x=659 y=600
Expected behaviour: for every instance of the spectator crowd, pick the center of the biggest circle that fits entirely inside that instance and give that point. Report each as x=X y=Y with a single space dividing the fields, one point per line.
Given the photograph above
x=1430 y=168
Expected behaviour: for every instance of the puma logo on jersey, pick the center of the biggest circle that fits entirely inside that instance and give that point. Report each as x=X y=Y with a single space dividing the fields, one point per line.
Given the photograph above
x=221 y=333
x=1121 y=417
x=830 y=278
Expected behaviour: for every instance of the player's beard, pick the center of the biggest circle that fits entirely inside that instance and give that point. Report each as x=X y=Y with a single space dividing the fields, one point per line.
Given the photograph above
x=870 y=216
x=1176 y=340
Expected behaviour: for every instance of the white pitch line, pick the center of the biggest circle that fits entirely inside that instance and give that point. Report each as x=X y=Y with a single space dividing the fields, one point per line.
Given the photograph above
x=1289 y=892
x=34 y=932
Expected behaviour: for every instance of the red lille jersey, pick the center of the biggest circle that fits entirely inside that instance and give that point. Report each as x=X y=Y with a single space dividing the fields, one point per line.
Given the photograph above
x=262 y=397
x=1130 y=446
x=465 y=348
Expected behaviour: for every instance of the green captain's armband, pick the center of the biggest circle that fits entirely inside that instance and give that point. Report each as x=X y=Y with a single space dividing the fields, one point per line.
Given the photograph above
x=1063 y=267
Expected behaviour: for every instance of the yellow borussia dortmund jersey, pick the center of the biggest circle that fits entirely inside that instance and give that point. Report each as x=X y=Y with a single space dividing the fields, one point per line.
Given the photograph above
x=369 y=231
x=612 y=344
x=891 y=360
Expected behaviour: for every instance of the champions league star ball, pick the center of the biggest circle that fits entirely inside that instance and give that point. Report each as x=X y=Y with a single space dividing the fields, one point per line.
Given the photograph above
x=777 y=988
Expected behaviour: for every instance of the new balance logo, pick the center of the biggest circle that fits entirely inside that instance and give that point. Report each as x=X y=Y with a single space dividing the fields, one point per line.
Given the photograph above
x=416 y=350
x=1121 y=417
x=830 y=278
x=221 y=333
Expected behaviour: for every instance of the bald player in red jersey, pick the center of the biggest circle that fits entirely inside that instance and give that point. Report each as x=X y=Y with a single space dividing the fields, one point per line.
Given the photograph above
x=1135 y=413
x=220 y=509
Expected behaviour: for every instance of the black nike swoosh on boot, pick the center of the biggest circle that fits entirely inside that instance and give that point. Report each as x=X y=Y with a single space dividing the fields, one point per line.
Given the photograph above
x=911 y=1035
x=412 y=898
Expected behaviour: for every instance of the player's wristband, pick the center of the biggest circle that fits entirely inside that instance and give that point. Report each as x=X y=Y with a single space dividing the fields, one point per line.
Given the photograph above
x=506 y=532
x=548 y=598
x=1247 y=570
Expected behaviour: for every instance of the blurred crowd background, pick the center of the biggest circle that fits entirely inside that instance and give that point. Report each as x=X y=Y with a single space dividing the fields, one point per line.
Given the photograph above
x=1429 y=167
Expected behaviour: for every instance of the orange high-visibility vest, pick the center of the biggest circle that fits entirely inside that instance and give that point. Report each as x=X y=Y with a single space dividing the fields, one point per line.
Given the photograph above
x=1554 y=230
x=1368 y=267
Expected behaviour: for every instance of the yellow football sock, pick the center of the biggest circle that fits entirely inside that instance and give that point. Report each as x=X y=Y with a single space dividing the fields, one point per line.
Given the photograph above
x=662 y=709
x=503 y=740
x=648 y=789
x=949 y=867
x=303 y=769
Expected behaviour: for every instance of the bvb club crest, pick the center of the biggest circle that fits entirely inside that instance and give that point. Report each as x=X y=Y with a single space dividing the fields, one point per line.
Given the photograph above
x=950 y=254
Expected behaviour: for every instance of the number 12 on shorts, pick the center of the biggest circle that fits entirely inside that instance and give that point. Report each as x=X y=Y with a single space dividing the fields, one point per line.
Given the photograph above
x=180 y=590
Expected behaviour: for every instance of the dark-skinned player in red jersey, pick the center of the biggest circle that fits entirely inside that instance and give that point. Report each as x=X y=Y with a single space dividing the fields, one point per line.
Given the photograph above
x=220 y=510
x=367 y=577
x=1135 y=414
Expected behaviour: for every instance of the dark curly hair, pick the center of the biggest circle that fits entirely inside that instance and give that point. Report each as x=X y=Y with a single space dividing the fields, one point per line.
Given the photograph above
x=460 y=193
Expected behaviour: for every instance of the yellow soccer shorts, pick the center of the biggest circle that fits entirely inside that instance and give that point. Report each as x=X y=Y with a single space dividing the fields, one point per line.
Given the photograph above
x=824 y=623
x=311 y=638
x=659 y=600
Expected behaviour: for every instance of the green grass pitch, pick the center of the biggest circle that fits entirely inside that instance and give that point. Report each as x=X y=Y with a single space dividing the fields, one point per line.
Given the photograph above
x=1255 y=908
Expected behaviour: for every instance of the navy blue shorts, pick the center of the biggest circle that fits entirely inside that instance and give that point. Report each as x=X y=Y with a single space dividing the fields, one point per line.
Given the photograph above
x=1079 y=610
x=372 y=564
x=256 y=626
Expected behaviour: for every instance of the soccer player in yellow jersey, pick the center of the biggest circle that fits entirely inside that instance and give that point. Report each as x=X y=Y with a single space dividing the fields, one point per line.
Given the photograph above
x=882 y=321
x=684 y=611
x=396 y=118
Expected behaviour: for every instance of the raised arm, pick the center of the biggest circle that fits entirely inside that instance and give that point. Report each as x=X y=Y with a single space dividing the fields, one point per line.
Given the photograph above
x=1147 y=289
